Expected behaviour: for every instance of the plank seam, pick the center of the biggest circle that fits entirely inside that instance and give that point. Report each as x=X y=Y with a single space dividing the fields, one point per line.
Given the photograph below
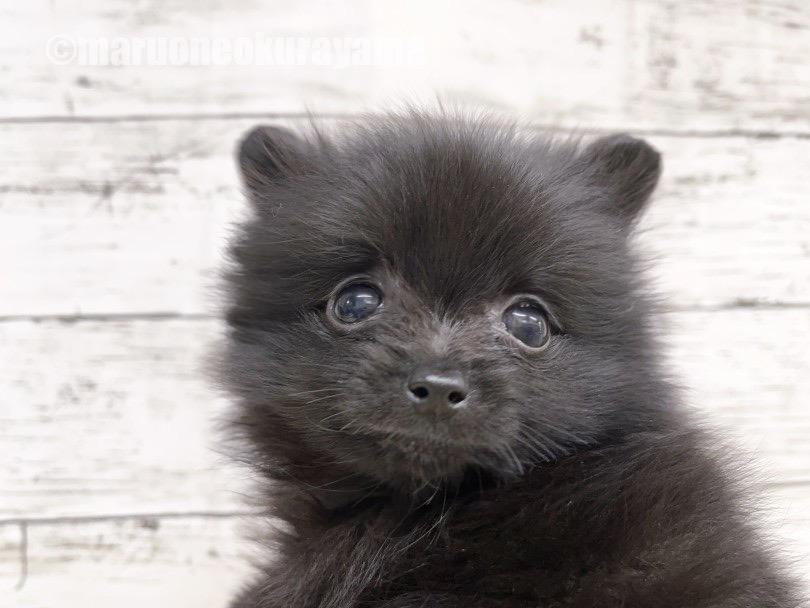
x=686 y=133
x=74 y=519
x=79 y=519
x=179 y=316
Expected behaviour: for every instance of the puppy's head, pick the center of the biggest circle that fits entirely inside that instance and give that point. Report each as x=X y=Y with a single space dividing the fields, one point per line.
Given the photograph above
x=423 y=296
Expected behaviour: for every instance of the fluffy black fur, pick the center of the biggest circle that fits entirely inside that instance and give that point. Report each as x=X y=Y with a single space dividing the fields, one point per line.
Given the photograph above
x=570 y=477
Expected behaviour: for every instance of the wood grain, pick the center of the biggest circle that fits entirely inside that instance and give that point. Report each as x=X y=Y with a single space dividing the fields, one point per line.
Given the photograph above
x=747 y=372
x=128 y=563
x=117 y=187
x=109 y=418
x=664 y=65
x=137 y=227
x=116 y=417
x=11 y=556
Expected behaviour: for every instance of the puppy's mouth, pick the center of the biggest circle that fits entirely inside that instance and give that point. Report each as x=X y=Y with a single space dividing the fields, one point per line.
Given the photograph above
x=419 y=444
x=421 y=456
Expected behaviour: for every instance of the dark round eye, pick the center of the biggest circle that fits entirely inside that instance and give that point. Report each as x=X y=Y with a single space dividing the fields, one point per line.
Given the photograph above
x=527 y=321
x=356 y=302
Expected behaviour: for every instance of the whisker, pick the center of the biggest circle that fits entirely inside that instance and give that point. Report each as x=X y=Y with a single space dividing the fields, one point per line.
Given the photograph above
x=315 y=390
x=539 y=443
x=534 y=449
x=569 y=434
x=310 y=402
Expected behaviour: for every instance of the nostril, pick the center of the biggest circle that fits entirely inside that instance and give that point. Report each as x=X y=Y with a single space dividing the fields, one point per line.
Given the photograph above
x=420 y=392
x=456 y=397
x=436 y=391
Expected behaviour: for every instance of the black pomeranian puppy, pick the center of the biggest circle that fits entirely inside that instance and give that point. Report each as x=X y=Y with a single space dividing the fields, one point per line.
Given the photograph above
x=444 y=368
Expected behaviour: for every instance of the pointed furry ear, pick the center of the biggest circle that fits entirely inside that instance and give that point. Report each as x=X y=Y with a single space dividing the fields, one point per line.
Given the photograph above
x=267 y=154
x=629 y=167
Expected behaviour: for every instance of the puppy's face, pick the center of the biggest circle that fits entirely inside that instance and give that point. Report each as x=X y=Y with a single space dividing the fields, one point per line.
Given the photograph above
x=430 y=295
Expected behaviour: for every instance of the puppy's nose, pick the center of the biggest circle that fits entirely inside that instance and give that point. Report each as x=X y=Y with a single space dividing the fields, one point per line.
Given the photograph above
x=438 y=392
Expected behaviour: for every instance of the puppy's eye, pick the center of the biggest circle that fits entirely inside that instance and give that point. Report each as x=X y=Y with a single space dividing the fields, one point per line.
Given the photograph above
x=356 y=302
x=527 y=321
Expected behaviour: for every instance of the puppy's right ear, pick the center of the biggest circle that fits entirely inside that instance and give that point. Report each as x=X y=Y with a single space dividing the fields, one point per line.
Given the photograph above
x=628 y=167
x=269 y=154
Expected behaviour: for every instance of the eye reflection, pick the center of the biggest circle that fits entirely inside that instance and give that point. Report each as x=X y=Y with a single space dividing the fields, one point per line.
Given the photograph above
x=526 y=321
x=356 y=302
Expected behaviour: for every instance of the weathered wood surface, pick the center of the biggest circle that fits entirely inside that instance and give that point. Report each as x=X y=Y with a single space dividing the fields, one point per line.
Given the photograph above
x=748 y=373
x=663 y=65
x=106 y=418
x=137 y=226
x=193 y=562
x=117 y=186
x=115 y=417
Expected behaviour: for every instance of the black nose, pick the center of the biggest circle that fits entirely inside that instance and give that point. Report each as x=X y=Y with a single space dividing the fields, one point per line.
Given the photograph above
x=437 y=391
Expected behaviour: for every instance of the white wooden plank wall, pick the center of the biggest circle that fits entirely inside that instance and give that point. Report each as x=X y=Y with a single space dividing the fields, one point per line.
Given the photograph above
x=117 y=184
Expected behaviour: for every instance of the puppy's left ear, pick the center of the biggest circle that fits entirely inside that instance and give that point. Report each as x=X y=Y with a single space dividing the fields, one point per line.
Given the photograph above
x=628 y=167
